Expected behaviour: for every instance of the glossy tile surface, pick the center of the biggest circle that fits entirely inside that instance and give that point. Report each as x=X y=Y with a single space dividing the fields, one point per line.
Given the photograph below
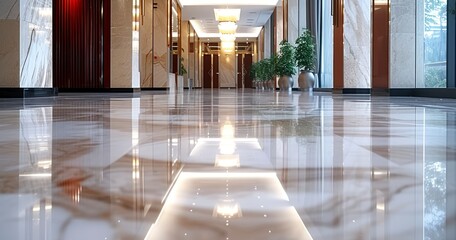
x=227 y=165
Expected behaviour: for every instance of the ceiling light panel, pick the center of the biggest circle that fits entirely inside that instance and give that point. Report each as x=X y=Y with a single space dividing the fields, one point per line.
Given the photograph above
x=227 y=15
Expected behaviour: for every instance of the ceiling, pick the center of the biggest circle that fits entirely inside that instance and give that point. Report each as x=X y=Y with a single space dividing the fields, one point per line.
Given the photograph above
x=254 y=14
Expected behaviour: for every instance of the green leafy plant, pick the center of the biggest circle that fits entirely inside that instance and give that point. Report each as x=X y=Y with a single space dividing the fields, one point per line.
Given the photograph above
x=253 y=71
x=305 y=51
x=286 y=64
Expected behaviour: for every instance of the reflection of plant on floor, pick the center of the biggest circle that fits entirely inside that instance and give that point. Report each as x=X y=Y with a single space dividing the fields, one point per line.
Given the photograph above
x=435 y=77
x=304 y=129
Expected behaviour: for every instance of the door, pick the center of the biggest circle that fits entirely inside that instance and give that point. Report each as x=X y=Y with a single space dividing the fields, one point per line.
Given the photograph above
x=247 y=65
x=244 y=63
x=210 y=71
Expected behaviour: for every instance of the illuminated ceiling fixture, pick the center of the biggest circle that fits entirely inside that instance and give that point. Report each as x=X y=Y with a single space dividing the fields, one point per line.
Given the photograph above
x=227 y=19
x=227 y=27
x=227 y=15
x=228 y=47
x=227 y=37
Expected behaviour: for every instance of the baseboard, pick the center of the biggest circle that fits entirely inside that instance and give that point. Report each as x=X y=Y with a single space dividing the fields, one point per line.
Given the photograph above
x=356 y=91
x=424 y=92
x=154 y=89
x=27 y=92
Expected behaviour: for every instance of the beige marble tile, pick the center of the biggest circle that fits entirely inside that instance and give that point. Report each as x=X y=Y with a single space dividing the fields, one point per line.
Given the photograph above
x=160 y=50
x=9 y=9
x=9 y=53
x=215 y=164
x=121 y=43
x=146 y=56
x=227 y=70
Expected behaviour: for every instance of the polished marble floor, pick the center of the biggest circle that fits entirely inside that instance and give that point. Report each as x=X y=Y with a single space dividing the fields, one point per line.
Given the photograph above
x=227 y=165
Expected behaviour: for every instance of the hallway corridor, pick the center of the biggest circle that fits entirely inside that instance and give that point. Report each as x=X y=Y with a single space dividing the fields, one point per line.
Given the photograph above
x=227 y=165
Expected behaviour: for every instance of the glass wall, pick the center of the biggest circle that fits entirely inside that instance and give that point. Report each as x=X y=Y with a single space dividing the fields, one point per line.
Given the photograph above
x=433 y=24
x=326 y=62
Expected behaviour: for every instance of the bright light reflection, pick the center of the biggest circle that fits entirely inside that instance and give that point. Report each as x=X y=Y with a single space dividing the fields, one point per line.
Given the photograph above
x=179 y=194
x=227 y=209
x=38 y=175
x=227 y=161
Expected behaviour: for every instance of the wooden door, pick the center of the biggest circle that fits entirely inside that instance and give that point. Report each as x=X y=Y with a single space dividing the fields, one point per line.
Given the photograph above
x=207 y=71
x=247 y=65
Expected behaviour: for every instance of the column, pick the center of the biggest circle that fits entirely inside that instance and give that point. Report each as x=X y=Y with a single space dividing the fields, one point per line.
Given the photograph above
x=402 y=46
x=121 y=43
x=9 y=43
x=357 y=44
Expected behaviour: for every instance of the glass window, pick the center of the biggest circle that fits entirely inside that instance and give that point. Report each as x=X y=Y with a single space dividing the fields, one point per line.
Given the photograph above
x=435 y=44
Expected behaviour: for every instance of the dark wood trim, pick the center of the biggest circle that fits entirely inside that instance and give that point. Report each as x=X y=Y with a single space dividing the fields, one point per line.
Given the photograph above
x=285 y=19
x=338 y=61
x=380 y=45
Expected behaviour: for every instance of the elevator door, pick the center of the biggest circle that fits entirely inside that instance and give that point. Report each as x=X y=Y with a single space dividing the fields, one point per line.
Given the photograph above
x=244 y=63
x=210 y=71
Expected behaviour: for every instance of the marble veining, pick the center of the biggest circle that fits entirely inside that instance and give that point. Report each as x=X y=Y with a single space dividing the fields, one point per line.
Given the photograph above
x=403 y=43
x=159 y=57
x=227 y=164
x=146 y=45
x=36 y=43
x=227 y=70
x=357 y=44
x=121 y=44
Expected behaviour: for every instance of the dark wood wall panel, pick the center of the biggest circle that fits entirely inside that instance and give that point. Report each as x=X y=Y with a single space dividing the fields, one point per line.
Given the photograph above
x=380 y=42
x=215 y=76
x=338 y=46
x=207 y=77
x=80 y=48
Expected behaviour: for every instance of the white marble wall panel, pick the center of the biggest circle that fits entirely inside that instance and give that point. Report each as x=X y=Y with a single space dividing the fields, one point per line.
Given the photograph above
x=293 y=28
x=121 y=43
x=227 y=70
x=36 y=43
x=9 y=53
x=402 y=43
x=146 y=56
x=357 y=44
x=160 y=50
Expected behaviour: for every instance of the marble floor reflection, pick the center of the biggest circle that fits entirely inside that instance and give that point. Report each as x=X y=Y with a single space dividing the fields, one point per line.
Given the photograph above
x=228 y=165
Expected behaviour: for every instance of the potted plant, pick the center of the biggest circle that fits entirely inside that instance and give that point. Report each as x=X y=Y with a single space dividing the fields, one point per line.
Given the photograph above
x=286 y=65
x=252 y=74
x=305 y=59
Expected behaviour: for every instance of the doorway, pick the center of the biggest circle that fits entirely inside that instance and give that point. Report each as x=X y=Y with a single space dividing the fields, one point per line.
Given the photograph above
x=211 y=71
x=244 y=64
